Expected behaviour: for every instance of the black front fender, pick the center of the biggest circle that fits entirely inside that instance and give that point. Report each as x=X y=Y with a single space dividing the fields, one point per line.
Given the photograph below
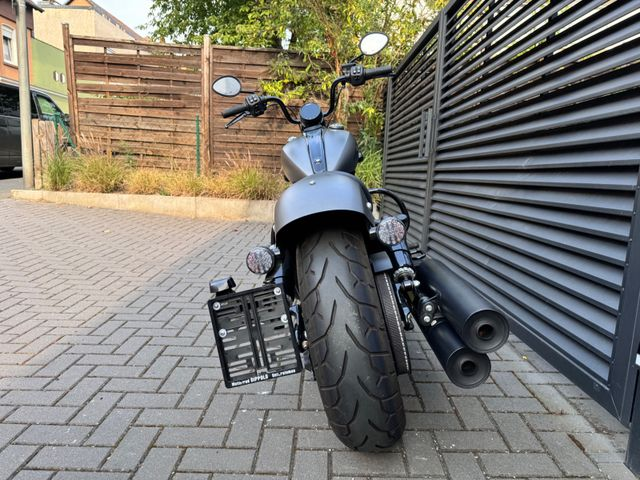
x=320 y=195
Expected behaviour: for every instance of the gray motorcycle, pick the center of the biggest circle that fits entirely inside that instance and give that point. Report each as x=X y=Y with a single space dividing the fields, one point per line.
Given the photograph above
x=342 y=286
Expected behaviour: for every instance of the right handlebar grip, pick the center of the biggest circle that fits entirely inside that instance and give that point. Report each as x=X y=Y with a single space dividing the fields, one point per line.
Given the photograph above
x=235 y=110
x=378 y=72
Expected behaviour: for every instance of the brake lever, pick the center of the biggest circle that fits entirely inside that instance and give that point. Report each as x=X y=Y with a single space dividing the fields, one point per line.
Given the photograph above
x=236 y=120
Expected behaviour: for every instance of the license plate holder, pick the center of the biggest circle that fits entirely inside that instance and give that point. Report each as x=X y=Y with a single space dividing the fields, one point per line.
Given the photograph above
x=255 y=335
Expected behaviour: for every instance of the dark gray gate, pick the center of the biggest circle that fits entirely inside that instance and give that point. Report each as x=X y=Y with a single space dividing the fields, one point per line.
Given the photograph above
x=513 y=133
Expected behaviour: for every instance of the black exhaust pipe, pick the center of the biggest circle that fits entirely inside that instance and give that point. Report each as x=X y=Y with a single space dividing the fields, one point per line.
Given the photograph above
x=480 y=326
x=464 y=367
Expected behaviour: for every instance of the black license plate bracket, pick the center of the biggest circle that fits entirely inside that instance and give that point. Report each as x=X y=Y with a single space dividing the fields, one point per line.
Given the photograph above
x=255 y=335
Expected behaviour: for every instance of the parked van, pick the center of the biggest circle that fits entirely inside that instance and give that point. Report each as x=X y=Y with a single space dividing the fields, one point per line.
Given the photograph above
x=42 y=107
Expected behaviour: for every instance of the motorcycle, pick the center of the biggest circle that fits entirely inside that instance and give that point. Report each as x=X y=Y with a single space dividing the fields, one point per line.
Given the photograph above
x=342 y=286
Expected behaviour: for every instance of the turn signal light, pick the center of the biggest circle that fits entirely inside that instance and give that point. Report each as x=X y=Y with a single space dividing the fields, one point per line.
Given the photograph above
x=260 y=260
x=391 y=231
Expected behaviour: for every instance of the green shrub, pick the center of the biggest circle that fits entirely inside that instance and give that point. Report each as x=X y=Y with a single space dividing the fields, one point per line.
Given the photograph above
x=100 y=174
x=59 y=172
x=251 y=183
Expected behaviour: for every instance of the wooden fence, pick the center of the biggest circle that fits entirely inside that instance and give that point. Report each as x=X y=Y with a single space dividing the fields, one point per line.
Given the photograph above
x=143 y=104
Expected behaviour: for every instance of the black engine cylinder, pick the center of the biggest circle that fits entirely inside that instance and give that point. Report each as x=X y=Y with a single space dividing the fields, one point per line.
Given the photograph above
x=481 y=327
x=464 y=367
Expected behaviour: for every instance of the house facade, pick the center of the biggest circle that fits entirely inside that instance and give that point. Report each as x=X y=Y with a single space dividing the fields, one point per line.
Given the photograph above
x=9 y=46
x=84 y=17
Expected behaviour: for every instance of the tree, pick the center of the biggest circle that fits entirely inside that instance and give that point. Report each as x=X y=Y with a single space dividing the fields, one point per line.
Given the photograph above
x=325 y=32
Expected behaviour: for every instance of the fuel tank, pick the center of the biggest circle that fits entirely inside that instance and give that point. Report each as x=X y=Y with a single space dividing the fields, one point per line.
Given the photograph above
x=319 y=149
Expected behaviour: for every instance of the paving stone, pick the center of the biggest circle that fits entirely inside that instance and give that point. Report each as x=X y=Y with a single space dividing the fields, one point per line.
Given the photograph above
x=112 y=428
x=434 y=397
x=158 y=465
x=90 y=476
x=69 y=457
x=519 y=465
x=168 y=417
x=552 y=400
x=567 y=454
x=96 y=409
x=191 y=437
x=288 y=385
x=198 y=395
x=432 y=421
x=270 y=402
x=53 y=415
x=318 y=440
x=510 y=384
x=245 y=428
x=82 y=392
x=131 y=449
x=305 y=419
x=179 y=379
x=149 y=400
x=379 y=463
x=12 y=457
x=274 y=455
x=53 y=435
x=516 y=433
x=132 y=385
x=617 y=471
x=33 y=475
x=217 y=460
x=472 y=413
x=421 y=453
x=558 y=423
x=310 y=465
x=463 y=466
x=8 y=432
x=30 y=397
x=513 y=405
x=470 y=441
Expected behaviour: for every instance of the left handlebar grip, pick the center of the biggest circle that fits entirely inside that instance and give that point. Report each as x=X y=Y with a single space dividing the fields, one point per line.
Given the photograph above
x=235 y=110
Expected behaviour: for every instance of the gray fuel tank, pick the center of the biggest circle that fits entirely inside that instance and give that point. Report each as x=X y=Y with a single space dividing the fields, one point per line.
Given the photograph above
x=340 y=153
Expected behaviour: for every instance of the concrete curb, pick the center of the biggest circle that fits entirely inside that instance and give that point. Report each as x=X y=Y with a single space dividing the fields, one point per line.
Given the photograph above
x=191 y=207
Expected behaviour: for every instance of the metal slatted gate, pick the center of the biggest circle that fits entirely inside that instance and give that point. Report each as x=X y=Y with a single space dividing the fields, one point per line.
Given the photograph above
x=526 y=183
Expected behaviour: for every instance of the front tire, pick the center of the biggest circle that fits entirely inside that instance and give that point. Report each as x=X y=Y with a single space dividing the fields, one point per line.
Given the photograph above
x=348 y=342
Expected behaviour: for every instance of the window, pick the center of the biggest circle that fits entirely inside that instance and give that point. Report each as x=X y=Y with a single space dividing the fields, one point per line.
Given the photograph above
x=47 y=107
x=9 y=53
x=9 y=101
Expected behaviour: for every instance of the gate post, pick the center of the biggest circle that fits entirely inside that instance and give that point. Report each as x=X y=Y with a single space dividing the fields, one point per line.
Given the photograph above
x=205 y=115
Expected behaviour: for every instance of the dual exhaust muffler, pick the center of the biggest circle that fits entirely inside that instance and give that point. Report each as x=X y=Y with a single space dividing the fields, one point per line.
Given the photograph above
x=470 y=329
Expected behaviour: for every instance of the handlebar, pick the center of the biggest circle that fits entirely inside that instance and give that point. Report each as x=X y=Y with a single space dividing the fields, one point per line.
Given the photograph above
x=235 y=110
x=377 y=72
x=356 y=75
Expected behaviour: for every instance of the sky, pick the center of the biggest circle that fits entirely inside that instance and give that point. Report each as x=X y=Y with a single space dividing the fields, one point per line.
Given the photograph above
x=132 y=12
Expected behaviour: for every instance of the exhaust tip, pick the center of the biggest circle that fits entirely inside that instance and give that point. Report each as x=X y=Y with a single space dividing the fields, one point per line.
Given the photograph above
x=468 y=369
x=486 y=331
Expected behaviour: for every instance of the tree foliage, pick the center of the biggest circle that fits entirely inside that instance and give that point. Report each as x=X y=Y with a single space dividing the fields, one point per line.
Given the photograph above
x=325 y=32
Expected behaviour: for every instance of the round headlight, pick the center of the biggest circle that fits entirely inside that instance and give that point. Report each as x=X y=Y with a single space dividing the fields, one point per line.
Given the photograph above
x=391 y=231
x=260 y=260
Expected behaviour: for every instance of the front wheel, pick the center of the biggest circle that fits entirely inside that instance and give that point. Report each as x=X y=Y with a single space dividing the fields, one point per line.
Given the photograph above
x=348 y=342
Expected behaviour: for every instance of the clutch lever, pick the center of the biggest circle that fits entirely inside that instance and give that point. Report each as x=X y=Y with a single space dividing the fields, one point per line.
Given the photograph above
x=236 y=120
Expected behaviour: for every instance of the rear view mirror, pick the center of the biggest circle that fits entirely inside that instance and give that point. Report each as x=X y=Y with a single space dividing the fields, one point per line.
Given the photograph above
x=373 y=43
x=227 y=86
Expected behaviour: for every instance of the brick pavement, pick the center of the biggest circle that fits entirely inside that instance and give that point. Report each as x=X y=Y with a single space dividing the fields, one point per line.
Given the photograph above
x=107 y=371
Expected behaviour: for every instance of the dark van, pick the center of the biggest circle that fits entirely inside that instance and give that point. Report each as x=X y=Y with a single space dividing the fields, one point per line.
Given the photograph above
x=41 y=107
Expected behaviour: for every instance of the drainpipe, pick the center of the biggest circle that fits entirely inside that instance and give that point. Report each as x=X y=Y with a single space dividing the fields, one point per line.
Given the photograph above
x=25 y=96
